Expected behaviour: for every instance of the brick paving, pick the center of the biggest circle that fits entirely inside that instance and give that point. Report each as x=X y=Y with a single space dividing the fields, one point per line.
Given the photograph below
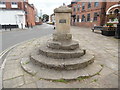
x=106 y=53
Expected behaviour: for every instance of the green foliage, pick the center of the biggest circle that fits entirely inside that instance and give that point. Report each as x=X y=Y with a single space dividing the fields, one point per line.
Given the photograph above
x=61 y=80
x=109 y=24
x=45 y=17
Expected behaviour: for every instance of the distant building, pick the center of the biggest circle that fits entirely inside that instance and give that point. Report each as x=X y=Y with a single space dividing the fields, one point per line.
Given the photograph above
x=18 y=13
x=89 y=14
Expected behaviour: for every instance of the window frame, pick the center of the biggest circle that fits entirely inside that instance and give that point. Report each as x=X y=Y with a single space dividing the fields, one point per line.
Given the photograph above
x=88 y=17
x=2 y=2
x=83 y=18
x=95 y=16
x=83 y=6
x=14 y=3
x=89 y=5
x=96 y=4
x=78 y=17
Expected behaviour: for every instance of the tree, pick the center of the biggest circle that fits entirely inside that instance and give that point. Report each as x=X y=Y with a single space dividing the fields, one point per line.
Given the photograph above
x=45 y=17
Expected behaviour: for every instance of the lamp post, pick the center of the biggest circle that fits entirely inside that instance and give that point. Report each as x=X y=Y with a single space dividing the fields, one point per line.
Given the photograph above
x=117 y=33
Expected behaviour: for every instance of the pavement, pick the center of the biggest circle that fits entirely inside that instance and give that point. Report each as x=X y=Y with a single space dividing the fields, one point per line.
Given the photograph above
x=106 y=53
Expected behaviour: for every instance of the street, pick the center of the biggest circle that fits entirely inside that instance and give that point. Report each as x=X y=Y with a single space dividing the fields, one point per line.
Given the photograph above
x=10 y=38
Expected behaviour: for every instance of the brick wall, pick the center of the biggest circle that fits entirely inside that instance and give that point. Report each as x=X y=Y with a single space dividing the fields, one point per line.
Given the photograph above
x=101 y=9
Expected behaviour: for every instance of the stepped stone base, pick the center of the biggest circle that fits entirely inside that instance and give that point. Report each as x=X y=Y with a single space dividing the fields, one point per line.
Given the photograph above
x=62 y=64
x=61 y=54
x=64 y=45
x=45 y=73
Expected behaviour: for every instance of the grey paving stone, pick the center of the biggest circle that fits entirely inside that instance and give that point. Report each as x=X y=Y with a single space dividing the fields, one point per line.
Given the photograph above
x=13 y=83
x=28 y=79
x=31 y=85
x=8 y=74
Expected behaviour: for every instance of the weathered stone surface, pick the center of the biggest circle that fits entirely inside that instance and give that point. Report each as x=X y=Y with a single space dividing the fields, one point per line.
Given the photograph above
x=49 y=73
x=14 y=82
x=63 y=9
x=64 y=45
x=65 y=64
x=62 y=36
x=61 y=54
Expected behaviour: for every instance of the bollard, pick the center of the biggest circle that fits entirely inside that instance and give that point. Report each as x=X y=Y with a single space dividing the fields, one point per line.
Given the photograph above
x=10 y=26
x=31 y=26
x=5 y=27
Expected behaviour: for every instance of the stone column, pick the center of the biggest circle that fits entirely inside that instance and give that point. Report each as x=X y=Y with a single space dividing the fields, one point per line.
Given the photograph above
x=62 y=17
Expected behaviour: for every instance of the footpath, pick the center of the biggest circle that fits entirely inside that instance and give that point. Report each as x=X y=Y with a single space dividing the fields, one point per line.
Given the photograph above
x=105 y=49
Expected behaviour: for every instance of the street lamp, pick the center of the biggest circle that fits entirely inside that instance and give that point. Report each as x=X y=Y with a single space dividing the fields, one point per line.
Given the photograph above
x=117 y=33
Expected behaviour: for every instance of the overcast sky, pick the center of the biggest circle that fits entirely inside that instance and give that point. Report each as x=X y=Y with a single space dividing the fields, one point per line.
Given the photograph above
x=47 y=6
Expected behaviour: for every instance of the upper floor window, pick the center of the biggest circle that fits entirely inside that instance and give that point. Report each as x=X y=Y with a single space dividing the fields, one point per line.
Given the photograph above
x=83 y=6
x=96 y=4
x=89 y=5
x=14 y=3
x=2 y=2
x=74 y=9
x=78 y=8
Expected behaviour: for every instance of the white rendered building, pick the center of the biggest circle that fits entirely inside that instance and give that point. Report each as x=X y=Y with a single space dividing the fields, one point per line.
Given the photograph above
x=12 y=17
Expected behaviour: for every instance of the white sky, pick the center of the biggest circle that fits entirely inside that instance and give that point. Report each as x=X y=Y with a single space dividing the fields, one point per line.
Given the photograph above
x=47 y=6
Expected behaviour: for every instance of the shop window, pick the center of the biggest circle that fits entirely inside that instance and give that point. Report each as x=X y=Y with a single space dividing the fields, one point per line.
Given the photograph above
x=96 y=4
x=95 y=16
x=83 y=18
x=89 y=5
x=78 y=18
x=88 y=17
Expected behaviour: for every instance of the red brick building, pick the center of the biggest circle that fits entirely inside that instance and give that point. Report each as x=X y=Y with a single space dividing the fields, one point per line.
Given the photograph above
x=23 y=5
x=89 y=14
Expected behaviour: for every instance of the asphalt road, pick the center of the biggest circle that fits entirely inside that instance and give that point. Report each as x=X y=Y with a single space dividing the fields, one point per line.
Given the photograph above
x=10 y=38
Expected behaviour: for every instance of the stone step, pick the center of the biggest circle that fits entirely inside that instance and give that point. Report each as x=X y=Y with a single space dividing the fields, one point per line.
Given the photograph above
x=51 y=74
x=62 y=64
x=64 y=45
x=61 y=54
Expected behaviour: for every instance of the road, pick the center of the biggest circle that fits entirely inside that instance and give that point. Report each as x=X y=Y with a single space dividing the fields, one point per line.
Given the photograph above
x=10 y=38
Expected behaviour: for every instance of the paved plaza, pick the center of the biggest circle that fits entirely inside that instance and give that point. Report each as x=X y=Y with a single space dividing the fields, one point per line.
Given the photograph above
x=104 y=48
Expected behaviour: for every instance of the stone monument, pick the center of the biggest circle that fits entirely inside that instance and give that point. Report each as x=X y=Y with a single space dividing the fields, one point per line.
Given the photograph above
x=60 y=55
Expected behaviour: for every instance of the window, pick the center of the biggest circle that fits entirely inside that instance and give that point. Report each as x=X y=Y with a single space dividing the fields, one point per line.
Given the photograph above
x=83 y=18
x=14 y=3
x=83 y=6
x=74 y=9
x=88 y=17
x=89 y=5
x=95 y=16
x=78 y=8
x=78 y=18
x=96 y=4
x=2 y=2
